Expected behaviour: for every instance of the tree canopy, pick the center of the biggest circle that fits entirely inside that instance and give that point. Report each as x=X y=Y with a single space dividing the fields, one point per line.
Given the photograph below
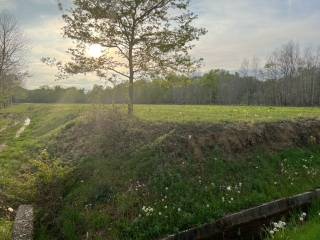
x=141 y=38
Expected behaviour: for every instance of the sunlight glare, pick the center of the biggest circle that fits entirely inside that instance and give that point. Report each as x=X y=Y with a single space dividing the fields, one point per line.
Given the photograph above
x=95 y=50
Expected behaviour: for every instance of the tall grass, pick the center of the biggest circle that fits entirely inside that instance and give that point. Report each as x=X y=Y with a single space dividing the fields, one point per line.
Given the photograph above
x=303 y=226
x=5 y=230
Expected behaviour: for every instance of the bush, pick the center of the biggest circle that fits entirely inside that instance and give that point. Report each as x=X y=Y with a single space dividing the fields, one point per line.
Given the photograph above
x=49 y=179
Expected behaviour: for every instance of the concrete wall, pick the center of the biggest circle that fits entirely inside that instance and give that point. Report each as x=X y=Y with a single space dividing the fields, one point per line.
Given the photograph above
x=23 y=225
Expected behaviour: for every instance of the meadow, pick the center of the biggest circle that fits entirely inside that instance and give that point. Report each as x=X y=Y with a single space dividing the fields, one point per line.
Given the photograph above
x=96 y=174
x=222 y=114
x=187 y=113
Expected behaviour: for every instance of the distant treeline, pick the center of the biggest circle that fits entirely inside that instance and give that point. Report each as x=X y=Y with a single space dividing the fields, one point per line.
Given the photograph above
x=289 y=78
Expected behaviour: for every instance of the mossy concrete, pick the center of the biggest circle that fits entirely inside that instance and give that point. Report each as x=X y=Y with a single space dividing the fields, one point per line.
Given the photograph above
x=23 y=225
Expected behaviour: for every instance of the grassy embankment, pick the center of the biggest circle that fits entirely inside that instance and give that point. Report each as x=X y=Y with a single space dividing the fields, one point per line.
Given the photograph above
x=15 y=185
x=134 y=179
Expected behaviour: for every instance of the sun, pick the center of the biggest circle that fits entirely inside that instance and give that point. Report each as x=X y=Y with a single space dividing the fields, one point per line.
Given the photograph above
x=95 y=50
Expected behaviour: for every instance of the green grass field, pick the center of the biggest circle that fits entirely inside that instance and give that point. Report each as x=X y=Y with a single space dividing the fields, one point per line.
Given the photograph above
x=189 y=113
x=218 y=114
x=135 y=178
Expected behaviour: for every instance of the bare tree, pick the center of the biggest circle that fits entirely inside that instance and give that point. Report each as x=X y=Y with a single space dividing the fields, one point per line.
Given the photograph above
x=12 y=45
x=245 y=74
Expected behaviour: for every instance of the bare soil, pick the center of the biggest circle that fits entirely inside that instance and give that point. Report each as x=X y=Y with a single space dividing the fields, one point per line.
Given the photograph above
x=234 y=139
x=118 y=134
x=2 y=147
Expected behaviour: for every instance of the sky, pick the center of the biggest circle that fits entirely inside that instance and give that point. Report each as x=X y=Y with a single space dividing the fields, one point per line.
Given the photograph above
x=237 y=29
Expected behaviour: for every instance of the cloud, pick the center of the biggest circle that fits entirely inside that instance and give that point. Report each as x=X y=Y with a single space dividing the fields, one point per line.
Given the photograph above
x=238 y=29
x=247 y=28
x=46 y=41
x=7 y=5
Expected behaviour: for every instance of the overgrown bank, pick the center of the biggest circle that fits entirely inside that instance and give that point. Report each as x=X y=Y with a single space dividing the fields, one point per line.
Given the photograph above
x=17 y=185
x=141 y=180
x=120 y=178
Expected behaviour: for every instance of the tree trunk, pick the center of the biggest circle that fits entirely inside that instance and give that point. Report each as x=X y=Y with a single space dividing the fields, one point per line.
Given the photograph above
x=131 y=77
x=130 y=104
x=112 y=101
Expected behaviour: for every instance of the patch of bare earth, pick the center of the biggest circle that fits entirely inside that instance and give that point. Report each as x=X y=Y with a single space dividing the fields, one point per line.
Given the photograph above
x=3 y=129
x=240 y=138
x=105 y=135
x=23 y=128
x=109 y=134
x=2 y=147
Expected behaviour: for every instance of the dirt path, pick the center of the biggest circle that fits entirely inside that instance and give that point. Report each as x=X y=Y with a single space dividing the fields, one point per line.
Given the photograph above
x=3 y=129
x=26 y=123
x=2 y=147
x=23 y=128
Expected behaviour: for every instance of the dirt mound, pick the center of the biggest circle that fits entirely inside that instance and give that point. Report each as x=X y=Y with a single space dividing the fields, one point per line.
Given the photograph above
x=105 y=135
x=108 y=135
x=238 y=138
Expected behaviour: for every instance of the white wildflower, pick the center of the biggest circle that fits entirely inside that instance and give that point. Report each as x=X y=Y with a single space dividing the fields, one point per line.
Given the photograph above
x=147 y=210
